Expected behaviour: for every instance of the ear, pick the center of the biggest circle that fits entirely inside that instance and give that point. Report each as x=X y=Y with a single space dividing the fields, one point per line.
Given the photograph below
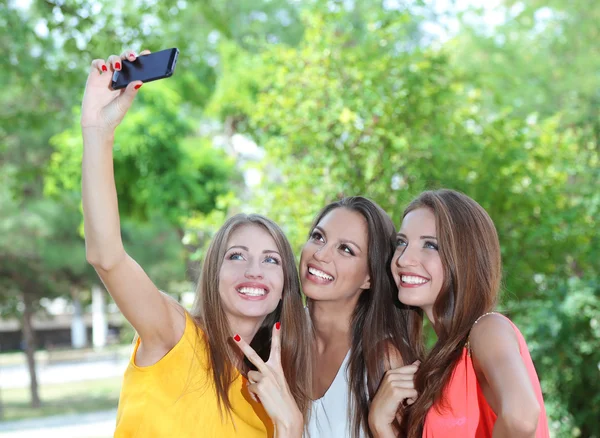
x=367 y=283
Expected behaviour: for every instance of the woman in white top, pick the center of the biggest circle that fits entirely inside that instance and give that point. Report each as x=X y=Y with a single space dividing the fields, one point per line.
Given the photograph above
x=359 y=327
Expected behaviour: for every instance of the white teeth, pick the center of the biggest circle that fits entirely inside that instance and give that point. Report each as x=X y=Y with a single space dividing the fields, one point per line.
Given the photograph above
x=320 y=274
x=252 y=291
x=410 y=279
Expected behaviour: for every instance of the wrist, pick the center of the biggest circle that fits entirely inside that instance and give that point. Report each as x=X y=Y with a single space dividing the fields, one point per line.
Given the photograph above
x=97 y=135
x=290 y=427
x=380 y=429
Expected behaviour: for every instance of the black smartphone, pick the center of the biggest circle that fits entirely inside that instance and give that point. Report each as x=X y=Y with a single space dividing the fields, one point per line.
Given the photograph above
x=146 y=68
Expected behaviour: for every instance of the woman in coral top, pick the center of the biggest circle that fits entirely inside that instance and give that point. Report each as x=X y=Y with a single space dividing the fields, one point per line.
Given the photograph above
x=187 y=376
x=479 y=379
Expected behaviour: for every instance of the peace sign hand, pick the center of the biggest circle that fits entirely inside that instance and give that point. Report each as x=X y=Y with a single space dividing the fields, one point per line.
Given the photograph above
x=268 y=384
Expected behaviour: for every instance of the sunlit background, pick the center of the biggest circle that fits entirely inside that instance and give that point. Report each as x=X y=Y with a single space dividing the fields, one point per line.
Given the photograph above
x=277 y=107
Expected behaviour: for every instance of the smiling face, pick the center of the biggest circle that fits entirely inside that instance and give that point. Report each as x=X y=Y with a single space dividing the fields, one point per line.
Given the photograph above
x=251 y=277
x=334 y=261
x=416 y=265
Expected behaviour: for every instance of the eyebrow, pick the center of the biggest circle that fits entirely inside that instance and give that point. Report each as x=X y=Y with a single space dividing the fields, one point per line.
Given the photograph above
x=422 y=237
x=245 y=248
x=344 y=240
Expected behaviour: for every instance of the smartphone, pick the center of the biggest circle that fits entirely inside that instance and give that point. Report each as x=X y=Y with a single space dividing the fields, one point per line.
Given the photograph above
x=146 y=68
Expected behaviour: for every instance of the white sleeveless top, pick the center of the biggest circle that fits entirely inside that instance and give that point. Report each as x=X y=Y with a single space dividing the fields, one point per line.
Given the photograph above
x=330 y=415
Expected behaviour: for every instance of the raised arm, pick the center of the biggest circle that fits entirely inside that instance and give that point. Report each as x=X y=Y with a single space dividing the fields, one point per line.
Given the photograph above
x=504 y=377
x=158 y=320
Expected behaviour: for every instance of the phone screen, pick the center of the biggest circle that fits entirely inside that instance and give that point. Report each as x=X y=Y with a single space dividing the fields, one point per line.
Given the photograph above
x=146 y=68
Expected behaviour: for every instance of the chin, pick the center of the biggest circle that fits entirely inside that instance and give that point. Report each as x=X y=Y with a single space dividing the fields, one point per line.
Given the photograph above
x=256 y=311
x=409 y=300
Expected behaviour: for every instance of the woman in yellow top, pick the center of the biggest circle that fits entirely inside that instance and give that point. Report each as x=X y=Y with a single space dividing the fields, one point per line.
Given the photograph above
x=187 y=377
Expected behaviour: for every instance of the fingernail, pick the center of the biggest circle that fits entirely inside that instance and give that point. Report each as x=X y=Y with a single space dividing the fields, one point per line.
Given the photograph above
x=277 y=326
x=237 y=338
x=137 y=87
x=131 y=55
x=104 y=68
x=117 y=65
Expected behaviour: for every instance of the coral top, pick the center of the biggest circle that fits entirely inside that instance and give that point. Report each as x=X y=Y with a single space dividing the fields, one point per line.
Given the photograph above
x=175 y=397
x=468 y=414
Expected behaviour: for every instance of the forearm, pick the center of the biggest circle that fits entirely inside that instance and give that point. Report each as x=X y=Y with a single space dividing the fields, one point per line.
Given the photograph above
x=99 y=195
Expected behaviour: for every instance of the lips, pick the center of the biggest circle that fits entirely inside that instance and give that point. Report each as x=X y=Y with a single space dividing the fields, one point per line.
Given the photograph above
x=252 y=290
x=409 y=279
x=318 y=275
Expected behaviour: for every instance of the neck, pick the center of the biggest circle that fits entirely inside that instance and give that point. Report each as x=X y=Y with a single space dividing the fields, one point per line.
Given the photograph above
x=244 y=326
x=332 y=321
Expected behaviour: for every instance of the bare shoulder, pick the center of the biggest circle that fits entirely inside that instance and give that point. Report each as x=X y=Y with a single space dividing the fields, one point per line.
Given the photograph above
x=493 y=334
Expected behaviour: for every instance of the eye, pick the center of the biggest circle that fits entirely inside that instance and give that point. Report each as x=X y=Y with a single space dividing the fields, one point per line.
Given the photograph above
x=400 y=242
x=317 y=236
x=235 y=256
x=430 y=245
x=272 y=260
x=346 y=249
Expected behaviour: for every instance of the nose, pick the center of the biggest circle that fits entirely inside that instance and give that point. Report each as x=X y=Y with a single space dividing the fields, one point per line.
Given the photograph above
x=254 y=271
x=323 y=254
x=406 y=257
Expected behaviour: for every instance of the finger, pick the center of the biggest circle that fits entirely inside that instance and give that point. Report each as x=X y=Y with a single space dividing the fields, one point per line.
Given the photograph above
x=408 y=370
x=129 y=55
x=98 y=66
x=249 y=352
x=402 y=384
x=411 y=395
x=114 y=62
x=252 y=392
x=254 y=376
x=399 y=378
x=275 y=355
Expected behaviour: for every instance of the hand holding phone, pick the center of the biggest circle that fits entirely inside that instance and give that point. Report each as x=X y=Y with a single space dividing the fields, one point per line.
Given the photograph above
x=146 y=68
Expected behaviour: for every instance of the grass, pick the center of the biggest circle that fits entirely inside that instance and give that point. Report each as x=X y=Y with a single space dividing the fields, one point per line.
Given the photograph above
x=61 y=399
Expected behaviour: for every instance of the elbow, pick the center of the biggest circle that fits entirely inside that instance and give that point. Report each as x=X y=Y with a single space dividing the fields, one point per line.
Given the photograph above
x=101 y=262
x=522 y=422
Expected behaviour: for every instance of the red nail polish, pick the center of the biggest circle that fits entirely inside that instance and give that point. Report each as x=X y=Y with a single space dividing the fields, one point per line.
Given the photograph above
x=137 y=87
x=104 y=68
x=117 y=65
x=277 y=326
x=237 y=338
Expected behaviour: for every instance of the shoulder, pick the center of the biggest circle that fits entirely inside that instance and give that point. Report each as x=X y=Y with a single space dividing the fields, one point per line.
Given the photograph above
x=493 y=335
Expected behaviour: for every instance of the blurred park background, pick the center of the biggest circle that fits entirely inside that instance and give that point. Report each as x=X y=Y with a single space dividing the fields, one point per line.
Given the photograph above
x=277 y=107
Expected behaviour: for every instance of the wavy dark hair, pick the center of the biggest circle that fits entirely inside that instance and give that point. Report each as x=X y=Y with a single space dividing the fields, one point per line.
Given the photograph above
x=379 y=321
x=470 y=254
x=210 y=317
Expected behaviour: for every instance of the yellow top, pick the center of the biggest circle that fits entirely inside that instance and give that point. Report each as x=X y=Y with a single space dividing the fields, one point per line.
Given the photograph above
x=175 y=397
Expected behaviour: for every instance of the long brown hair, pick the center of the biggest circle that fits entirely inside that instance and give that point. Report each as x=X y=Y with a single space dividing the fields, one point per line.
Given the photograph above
x=379 y=321
x=210 y=317
x=470 y=254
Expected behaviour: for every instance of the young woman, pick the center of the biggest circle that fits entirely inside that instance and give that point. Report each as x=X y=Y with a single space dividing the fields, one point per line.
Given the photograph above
x=479 y=379
x=187 y=376
x=359 y=329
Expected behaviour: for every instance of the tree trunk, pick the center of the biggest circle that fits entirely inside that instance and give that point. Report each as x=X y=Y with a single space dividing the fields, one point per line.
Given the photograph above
x=29 y=339
x=1 y=406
